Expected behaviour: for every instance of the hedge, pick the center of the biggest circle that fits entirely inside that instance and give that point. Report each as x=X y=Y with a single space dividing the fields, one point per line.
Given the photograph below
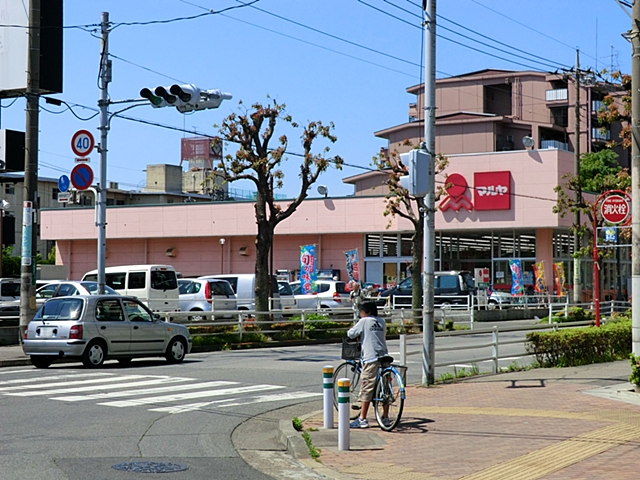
x=581 y=346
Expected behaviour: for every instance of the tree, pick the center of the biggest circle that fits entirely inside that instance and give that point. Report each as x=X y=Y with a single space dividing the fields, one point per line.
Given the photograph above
x=599 y=172
x=255 y=160
x=399 y=202
x=617 y=108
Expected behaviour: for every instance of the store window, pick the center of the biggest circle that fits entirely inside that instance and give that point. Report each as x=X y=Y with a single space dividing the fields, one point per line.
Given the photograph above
x=372 y=245
x=390 y=245
x=405 y=245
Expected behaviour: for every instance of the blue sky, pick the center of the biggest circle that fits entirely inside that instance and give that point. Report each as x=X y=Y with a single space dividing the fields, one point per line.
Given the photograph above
x=252 y=54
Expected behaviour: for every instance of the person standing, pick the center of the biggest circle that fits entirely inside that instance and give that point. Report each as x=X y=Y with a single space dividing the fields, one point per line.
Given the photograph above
x=357 y=295
x=372 y=331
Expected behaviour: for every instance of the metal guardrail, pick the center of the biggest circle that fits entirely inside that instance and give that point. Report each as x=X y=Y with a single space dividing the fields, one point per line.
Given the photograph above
x=494 y=344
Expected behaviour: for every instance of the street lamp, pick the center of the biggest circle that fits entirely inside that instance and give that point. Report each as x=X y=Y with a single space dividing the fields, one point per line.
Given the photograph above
x=222 y=240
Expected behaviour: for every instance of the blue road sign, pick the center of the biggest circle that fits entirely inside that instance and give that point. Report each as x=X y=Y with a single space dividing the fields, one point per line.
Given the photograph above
x=63 y=183
x=81 y=176
x=610 y=234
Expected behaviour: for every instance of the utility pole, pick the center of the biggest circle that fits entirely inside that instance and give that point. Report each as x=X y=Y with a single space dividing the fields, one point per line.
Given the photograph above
x=635 y=176
x=101 y=200
x=429 y=237
x=30 y=204
x=577 y=280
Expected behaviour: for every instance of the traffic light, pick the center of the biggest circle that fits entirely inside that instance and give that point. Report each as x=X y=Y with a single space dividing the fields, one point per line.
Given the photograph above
x=186 y=98
x=420 y=172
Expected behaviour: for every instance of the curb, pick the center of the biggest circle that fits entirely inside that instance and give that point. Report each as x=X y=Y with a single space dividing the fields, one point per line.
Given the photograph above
x=293 y=441
x=17 y=362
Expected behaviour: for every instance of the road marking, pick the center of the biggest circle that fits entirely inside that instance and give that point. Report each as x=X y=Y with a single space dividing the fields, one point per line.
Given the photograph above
x=187 y=396
x=53 y=377
x=72 y=383
x=31 y=370
x=143 y=391
x=191 y=407
x=274 y=398
x=91 y=388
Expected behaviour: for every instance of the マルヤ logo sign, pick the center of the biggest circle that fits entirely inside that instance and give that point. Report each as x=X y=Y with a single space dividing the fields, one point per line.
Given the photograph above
x=614 y=209
x=492 y=190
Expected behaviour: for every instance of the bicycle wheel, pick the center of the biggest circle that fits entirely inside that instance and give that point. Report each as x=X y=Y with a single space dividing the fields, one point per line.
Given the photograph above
x=388 y=401
x=351 y=371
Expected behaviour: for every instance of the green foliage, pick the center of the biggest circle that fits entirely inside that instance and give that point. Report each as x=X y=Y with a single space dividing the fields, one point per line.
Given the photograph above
x=446 y=377
x=599 y=171
x=297 y=424
x=581 y=346
x=10 y=263
x=313 y=451
x=635 y=370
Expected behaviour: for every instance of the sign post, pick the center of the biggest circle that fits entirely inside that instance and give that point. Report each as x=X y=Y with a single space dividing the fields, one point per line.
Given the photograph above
x=615 y=210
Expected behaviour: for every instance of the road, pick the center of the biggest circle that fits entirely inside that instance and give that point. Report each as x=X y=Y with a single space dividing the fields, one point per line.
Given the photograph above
x=72 y=423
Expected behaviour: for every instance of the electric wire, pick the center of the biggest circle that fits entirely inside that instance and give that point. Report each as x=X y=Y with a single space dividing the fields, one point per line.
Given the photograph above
x=145 y=68
x=12 y=102
x=179 y=19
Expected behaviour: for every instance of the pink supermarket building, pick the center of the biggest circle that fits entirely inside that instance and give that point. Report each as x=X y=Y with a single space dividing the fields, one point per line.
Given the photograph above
x=499 y=208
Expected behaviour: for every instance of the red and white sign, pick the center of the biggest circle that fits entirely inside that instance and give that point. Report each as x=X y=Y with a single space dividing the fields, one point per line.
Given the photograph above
x=614 y=209
x=492 y=190
x=82 y=143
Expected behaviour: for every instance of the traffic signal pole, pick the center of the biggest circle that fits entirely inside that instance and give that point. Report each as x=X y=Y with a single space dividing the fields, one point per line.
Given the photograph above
x=30 y=204
x=428 y=337
x=101 y=198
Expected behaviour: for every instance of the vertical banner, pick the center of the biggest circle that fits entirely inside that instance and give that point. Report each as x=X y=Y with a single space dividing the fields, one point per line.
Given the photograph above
x=353 y=268
x=308 y=274
x=517 y=287
x=27 y=229
x=540 y=285
x=558 y=270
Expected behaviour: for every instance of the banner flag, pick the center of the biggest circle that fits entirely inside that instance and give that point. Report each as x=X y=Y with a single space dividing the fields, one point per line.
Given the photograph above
x=308 y=275
x=353 y=267
x=517 y=287
x=558 y=270
x=540 y=285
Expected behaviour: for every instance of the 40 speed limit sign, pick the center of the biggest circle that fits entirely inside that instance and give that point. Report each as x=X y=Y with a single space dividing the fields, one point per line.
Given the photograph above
x=82 y=143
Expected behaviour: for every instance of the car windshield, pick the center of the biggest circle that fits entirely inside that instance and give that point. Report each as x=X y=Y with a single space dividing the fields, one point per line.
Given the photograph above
x=92 y=288
x=468 y=281
x=60 y=309
x=285 y=288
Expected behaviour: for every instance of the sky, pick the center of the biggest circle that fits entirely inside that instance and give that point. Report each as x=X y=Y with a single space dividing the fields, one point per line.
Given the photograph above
x=343 y=61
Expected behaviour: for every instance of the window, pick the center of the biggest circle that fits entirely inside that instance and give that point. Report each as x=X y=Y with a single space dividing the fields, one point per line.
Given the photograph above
x=341 y=287
x=66 y=290
x=283 y=287
x=405 y=245
x=136 y=312
x=448 y=281
x=47 y=291
x=109 y=311
x=137 y=280
x=185 y=288
x=63 y=309
x=223 y=288
x=10 y=189
x=114 y=280
x=54 y=193
x=390 y=246
x=10 y=289
x=164 y=280
x=373 y=245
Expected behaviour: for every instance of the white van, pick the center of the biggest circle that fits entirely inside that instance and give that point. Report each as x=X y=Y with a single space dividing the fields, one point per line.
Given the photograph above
x=244 y=284
x=154 y=285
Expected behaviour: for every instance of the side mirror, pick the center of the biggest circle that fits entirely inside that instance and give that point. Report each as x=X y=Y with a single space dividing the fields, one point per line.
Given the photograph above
x=156 y=316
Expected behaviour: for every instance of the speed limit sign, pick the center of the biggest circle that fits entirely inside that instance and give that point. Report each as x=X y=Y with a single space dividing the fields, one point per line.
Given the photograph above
x=82 y=143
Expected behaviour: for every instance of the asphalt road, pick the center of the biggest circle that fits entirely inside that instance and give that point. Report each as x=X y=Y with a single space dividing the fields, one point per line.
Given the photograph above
x=72 y=423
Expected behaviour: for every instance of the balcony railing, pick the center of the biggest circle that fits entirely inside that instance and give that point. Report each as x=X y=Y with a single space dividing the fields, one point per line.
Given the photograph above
x=557 y=94
x=596 y=105
x=597 y=134
x=554 y=144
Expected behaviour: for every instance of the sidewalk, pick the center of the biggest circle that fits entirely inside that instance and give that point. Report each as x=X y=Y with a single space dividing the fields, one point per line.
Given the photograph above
x=13 y=356
x=553 y=424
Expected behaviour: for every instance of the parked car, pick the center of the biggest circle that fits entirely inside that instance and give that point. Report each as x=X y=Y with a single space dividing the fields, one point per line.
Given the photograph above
x=93 y=328
x=498 y=299
x=67 y=289
x=244 y=286
x=287 y=299
x=329 y=294
x=450 y=288
x=155 y=285
x=206 y=295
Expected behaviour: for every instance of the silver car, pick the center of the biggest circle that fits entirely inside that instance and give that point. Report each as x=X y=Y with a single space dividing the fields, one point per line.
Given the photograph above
x=329 y=294
x=93 y=328
x=206 y=295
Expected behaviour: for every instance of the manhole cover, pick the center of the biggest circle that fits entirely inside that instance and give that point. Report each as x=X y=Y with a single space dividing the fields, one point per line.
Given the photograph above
x=150 y=467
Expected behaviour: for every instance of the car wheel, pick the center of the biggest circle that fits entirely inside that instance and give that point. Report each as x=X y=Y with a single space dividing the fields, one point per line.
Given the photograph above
x=124 y=361
x=176 y=350
x=492 y=305
x=196 y=318
x=94 y=355
x=40 y=361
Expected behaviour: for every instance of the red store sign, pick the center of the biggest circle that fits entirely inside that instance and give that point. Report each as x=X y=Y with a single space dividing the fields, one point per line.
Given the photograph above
x=491 y=191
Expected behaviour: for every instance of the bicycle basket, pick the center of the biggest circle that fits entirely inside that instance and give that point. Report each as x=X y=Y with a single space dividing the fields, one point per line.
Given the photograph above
x=351 y=349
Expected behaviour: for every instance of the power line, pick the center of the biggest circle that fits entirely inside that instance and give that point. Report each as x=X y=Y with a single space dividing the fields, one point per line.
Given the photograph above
x=179 y=19
x=145 y=68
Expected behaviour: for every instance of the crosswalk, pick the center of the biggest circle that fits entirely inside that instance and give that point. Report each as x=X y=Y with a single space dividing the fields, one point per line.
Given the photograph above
x=159 y=393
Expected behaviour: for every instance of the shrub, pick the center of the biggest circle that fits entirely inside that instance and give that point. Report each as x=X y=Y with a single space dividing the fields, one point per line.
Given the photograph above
x=635 y=370
x=581 y=346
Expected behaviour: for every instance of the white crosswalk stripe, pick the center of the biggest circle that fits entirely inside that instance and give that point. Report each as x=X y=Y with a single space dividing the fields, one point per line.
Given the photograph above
x=168 y=394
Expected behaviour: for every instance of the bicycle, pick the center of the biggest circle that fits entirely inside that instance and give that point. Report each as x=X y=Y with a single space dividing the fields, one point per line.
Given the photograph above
x=389 y=394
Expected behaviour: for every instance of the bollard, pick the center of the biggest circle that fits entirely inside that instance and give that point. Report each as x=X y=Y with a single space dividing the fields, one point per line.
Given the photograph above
x=327 y=391
x=344 y=385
